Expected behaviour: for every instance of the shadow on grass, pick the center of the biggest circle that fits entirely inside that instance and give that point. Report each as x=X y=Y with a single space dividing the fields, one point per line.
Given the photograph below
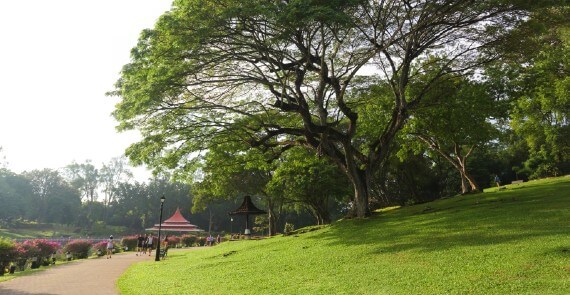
x=475 y=220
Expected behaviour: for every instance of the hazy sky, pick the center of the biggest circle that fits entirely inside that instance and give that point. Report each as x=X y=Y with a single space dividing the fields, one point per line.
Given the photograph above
x=57 y=60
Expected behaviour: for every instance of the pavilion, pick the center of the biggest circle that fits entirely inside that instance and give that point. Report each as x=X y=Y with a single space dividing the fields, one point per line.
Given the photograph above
x=176 y=223
x=247 y=208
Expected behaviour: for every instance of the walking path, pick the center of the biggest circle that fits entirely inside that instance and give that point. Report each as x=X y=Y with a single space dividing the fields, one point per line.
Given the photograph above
x=87 y=276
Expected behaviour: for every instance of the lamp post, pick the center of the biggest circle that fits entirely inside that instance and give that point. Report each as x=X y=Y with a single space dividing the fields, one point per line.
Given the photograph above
x=231 y=226
x=157 y=258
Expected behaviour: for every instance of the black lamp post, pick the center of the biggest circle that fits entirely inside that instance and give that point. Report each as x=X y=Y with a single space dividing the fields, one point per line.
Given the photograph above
x=231 y=226
x=157 y=258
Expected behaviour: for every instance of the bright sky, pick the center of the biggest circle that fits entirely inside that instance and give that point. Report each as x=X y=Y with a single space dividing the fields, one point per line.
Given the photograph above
x=57 y=60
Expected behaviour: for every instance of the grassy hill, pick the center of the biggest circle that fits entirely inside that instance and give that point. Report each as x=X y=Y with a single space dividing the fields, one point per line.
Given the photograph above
x=510 y=241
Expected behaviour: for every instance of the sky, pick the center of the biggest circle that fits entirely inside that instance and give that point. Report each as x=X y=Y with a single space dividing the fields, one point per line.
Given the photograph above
x=58 y=58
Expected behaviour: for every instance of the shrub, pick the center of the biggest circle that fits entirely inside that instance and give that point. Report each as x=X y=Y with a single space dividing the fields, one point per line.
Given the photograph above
x=189 y=240
x=100 y=248
x=27 y=249
x=129 y=242
x=289 y=227
x=45 y=247
x=7 y=253
x=79 y=248
x=173 y=241
x=201 y=241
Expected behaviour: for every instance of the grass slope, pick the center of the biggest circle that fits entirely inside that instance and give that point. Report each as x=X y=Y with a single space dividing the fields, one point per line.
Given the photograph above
x=510 y=241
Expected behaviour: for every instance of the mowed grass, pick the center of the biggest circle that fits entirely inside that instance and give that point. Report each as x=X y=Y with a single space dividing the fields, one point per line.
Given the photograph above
x=510 y=241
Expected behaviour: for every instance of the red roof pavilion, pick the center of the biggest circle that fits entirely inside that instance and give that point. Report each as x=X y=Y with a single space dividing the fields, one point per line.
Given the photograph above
x=176 y=222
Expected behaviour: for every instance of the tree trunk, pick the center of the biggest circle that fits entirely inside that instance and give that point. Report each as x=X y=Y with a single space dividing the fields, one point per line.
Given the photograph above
x=360 y=208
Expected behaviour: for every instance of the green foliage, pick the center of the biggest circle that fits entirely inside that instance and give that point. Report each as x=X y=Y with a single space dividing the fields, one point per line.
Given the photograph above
x=277 y=74
x=7 y=252
x=509 y=241
x=541 y=96
x=289 y=227
x=188 y=240
x=79 y=248
x=310 y=181
x=130 y=242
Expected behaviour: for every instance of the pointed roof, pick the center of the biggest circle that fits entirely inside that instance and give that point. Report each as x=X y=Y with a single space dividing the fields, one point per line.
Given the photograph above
x=247 y=208
x=176 y=222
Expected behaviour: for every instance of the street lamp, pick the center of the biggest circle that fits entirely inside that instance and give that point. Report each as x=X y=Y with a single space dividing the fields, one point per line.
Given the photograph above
x=157 y=258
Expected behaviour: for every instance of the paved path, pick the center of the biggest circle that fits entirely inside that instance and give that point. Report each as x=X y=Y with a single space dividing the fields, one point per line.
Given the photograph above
x=84 y=277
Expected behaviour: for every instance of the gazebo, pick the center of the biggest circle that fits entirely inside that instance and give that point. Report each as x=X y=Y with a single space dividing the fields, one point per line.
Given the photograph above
x=176 y=223
x=247 y=208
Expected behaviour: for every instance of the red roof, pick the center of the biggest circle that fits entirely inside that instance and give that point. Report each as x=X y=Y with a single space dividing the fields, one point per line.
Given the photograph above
x=176 y=222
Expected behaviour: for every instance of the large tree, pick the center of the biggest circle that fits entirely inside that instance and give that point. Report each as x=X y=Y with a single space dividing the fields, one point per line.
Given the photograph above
x=457 y=119
x=85 y=178
x=289 y=68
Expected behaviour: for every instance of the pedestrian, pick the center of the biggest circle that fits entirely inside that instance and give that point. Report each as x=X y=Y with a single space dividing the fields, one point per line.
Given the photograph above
x=497 y=180
x=144 y=243
x=218 y=239
x=149 y=241
x=140 y=241
x=110 y=246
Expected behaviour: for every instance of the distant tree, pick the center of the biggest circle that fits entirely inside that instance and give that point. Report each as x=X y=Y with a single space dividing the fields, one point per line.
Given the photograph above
x=52 y=194
x=133 y=205
x=85 y=178
x=16 y=196
x=110 y=175
x=289 y=68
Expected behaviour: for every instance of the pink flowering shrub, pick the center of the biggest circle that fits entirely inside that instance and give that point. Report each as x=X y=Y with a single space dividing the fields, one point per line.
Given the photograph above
x=173 y=241
x=100 y=248
x=45 y=247
x=79 y=248
x=130 y=242
x=27 y=249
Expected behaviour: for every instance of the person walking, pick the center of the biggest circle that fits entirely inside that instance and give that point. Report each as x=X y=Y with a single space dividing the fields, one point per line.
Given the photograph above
x=110 y=247
x=140 y=241
x=149 y=241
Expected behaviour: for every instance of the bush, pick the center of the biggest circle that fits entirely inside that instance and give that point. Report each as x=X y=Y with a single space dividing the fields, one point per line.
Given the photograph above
x=79 y=248
x=188 y=240
x=289 y=227
x=27 y=249
x=100 y=248
x=129 y=242
x=7 y=253
x=173 y=241
x=201 y=241
x=46 y=248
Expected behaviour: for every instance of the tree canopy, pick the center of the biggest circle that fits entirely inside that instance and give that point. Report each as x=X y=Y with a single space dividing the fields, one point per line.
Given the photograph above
x=282 y=73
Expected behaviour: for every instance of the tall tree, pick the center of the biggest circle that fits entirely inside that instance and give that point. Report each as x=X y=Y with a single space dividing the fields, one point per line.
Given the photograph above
x=110 y=175
x=85 y=178
x=16 y=196
x=289 y=66
x=55 y=199
x=456 y=119
x=536 y=66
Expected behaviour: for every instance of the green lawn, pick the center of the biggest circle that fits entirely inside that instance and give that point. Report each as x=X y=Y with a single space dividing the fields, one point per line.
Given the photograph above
x=510 y=241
